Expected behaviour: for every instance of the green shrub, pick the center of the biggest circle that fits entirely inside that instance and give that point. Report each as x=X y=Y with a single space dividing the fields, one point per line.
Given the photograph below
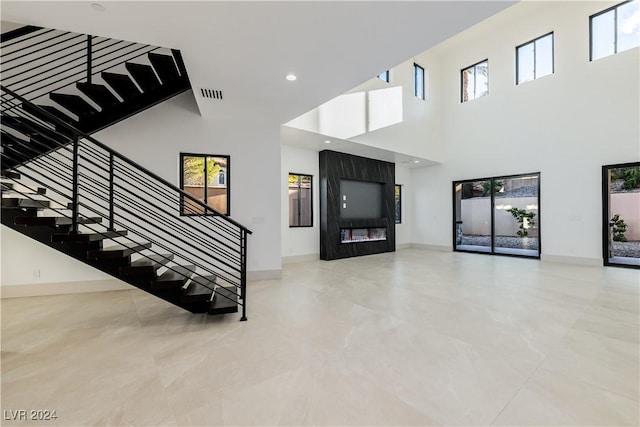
x=619 y=227
x=631 y=178
x=520 y=215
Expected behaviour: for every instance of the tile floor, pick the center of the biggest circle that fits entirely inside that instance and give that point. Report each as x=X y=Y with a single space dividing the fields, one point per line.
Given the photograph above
x=408 y=338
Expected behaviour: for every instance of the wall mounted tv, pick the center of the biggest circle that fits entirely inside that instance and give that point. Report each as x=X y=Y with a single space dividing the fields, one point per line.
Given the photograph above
x=360 y=199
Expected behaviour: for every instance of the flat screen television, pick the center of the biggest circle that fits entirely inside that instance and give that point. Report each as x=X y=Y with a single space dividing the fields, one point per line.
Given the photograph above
x=360 y=199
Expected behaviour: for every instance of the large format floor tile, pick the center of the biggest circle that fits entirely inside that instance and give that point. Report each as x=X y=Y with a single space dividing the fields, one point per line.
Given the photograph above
x=413 y=337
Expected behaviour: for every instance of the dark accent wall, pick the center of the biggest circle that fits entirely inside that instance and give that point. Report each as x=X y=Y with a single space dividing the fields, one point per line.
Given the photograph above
x=335 y=167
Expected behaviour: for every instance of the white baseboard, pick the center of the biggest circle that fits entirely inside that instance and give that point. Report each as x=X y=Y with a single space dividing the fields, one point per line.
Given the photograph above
x=300 y=258
x=60 y=288
x=264 y=275
x=438 y=248
x=561 y=259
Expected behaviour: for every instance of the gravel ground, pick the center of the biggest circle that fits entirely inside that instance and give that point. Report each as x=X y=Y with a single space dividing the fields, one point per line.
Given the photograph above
x=627 y=249
x=502 y=242
x=621 y=249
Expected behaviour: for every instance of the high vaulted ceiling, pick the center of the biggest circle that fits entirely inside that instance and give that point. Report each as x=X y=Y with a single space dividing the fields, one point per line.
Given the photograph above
x=246 y=49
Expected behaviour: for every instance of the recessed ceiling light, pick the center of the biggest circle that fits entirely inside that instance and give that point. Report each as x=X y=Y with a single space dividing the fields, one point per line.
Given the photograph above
x=291 y=77
x=326 y=141
x=98 y=7
x=416 y=161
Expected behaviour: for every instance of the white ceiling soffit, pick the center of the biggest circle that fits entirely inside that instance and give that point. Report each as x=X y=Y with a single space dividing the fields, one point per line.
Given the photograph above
x=248 y=47
x=300 y=138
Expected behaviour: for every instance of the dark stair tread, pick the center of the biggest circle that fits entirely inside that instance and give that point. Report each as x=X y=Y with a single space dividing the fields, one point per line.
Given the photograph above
x=99 y=94
x=225 y=300
x=16 y=202
x=122 y=84
x=35 y=111
x=197 y=292
x=8 y=186
x=164 y=66
x=175 y=277
x=87 y=237
x=73 y=103
x=118 y=251
x=52 y=221
x=31 y=128
x=11 y=175
x=143 y=75
x=146 y=265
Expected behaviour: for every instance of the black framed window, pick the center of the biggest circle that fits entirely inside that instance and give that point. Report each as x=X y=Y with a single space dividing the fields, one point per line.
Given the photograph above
x=418 y=81
x=206 y=178
x=620 y=215
x=385 y=76
x=498 y=215
x=398 y=203
x=474 y=81
x=534 y=59
x=614 y=29
x=300 y=200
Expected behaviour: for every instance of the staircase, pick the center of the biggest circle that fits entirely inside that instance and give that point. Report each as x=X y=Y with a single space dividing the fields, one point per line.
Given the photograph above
x=88 y=82
x=74 y=194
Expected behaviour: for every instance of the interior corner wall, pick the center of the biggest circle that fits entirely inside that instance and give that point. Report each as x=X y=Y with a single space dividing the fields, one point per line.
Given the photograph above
x=565 y=125
x=300 y=241
x=156 y=137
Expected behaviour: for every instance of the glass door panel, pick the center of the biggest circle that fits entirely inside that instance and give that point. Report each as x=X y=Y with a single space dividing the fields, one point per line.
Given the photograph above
x=621 y=220
x=473 y=216
x=516 y=216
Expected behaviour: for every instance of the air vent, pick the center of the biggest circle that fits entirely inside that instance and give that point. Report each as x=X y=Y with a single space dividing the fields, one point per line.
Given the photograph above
x=211 y=93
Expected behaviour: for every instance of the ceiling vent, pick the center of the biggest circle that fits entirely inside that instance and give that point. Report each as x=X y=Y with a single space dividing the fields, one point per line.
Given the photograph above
x=211 y=93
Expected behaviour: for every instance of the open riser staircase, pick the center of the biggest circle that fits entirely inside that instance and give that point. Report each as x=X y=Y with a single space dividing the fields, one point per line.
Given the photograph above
x=69 y=191
x=87 y=81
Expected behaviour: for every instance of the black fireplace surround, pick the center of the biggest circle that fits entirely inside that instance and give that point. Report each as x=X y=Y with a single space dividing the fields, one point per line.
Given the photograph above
x=355 y=177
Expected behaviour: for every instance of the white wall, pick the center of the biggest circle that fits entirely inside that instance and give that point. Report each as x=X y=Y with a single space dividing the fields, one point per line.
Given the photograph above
x=566 y=125
x=349 y=116
x=154 y=139
x=300 y=241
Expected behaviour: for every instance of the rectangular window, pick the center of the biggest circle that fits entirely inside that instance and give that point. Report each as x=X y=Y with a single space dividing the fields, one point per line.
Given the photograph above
x=534 y=59
x=615 y=29
x=475 y=81
x=206 y=178
x=418 y=81
x=398 y=203
x=300 y=200
x=384 y=76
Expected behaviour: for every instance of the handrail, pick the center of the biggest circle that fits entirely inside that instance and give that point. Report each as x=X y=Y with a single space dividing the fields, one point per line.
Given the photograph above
x=83 y=135
x=100 y=182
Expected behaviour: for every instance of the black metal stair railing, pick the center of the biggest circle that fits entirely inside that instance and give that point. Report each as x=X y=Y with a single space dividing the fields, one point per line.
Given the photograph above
x=98 y=182
x=37 y=61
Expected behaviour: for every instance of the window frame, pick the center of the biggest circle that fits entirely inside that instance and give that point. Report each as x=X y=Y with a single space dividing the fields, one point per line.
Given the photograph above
x=387 y=75
x=398 y=218
x=299 y=175
x=417 y=67
x=227 y=184
x=553 y=57
x=615 y=26
x=462 y=101
x=492 y=215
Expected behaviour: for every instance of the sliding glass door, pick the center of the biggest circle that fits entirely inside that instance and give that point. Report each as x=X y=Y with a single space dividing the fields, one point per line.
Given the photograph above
x=498 y=215
x=621 y=215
